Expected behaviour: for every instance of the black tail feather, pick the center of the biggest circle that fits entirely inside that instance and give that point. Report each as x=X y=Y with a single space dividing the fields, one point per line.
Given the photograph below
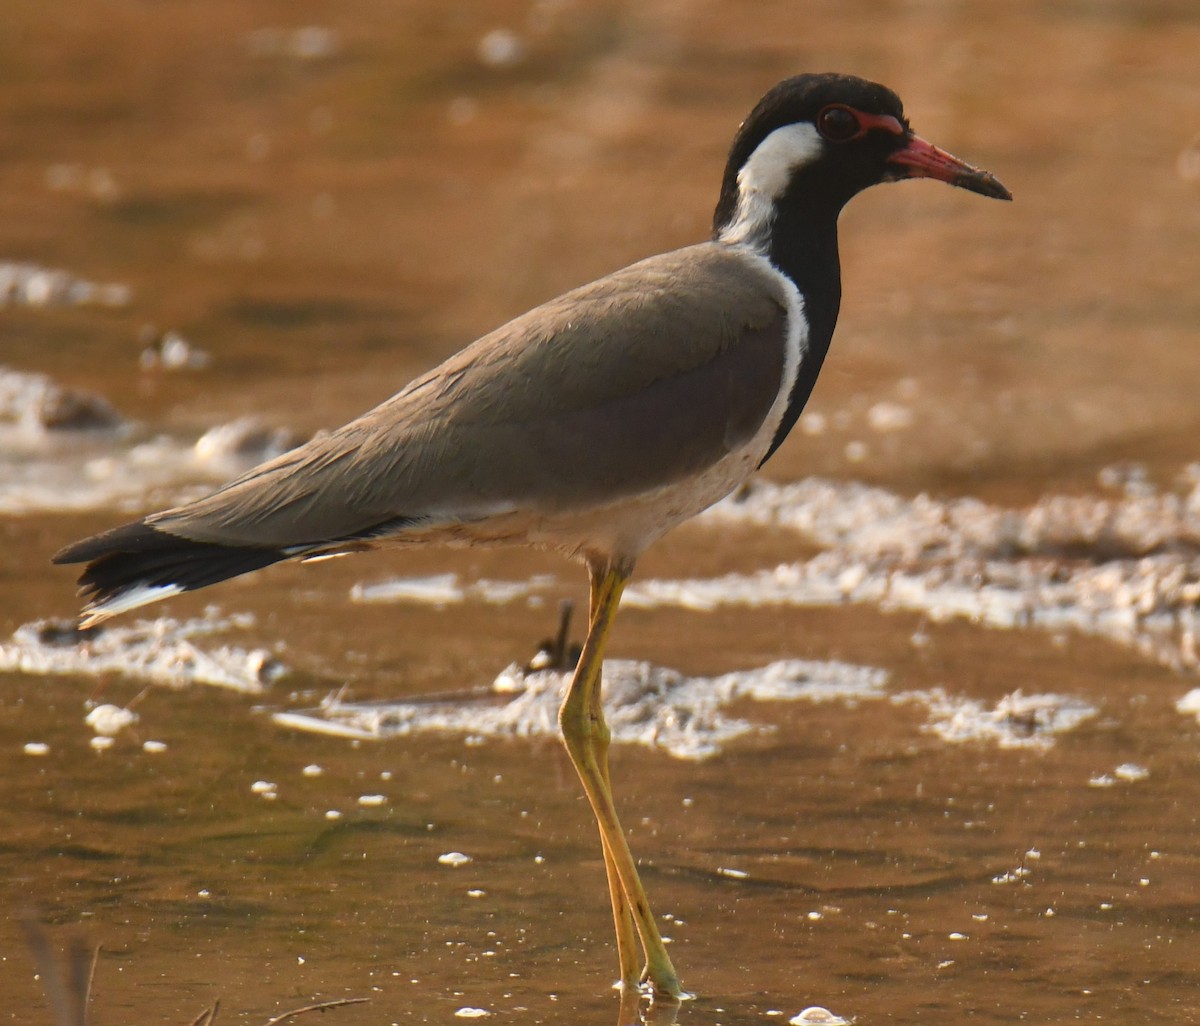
x=138 y=555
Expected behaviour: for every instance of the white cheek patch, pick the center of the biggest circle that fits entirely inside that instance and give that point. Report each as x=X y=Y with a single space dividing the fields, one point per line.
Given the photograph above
x=765 y=176
x=774 y=160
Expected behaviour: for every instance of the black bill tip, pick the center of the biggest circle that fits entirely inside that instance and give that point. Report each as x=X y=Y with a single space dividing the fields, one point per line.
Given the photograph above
x=921 y=159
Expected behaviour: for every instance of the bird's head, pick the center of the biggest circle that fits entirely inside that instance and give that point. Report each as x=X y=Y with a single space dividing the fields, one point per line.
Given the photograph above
x=820 y=139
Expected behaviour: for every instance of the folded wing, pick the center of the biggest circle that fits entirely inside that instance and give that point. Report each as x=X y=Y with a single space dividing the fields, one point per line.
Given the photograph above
x=627 y=384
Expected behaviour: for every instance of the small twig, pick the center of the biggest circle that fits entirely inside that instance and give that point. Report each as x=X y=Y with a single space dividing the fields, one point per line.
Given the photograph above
x=208 y=1016
x=91 y=978
x=319 y=1007
x=562 y=640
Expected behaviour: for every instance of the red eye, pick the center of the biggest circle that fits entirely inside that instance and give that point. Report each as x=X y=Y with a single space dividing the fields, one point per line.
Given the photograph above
x=838 y=124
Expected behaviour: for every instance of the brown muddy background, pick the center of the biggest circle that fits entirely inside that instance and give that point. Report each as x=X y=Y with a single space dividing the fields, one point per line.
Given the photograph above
x=328 y=214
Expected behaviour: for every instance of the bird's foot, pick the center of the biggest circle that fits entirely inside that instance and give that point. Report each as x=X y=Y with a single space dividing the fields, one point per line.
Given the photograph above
x=642 y=1005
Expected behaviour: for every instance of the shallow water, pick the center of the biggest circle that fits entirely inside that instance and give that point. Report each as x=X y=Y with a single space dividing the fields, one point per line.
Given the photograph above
x=989 y=512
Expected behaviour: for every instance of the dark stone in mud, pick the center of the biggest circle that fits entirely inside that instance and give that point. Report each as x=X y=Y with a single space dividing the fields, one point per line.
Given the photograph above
x=65 y=633
x=67 y=409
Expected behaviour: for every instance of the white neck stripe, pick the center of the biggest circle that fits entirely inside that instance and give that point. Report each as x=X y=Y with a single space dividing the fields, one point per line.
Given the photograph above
x=764 y=178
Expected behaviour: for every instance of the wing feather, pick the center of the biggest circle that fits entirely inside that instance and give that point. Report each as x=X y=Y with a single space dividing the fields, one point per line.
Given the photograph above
x=628 y=383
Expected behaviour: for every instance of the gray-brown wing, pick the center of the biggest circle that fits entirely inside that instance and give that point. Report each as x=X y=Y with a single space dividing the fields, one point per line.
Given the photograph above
x=629 y=383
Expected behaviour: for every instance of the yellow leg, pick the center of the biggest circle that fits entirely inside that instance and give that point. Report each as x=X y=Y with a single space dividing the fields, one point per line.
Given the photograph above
x=627 y=942
x=587 y=736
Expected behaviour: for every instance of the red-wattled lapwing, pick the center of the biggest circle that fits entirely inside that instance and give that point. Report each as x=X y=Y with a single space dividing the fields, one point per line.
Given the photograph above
x=590 y=425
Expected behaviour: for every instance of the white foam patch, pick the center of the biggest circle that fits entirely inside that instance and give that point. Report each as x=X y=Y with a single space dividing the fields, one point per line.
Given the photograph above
x=1015 y=721
x=69 y=451
x=871 y=520
x=109 y=720
x=162 y=651
x=685 y=716
x=1078 y=563
x=644 y=704
x=76 y=473
x=1189 y=704
x=31 y=285
x=818 y=1016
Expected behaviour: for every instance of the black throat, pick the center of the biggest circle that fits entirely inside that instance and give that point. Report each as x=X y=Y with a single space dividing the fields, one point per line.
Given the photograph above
x=804 y=246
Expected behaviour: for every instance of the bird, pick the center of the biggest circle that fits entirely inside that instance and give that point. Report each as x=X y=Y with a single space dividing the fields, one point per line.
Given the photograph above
x=590 y=425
